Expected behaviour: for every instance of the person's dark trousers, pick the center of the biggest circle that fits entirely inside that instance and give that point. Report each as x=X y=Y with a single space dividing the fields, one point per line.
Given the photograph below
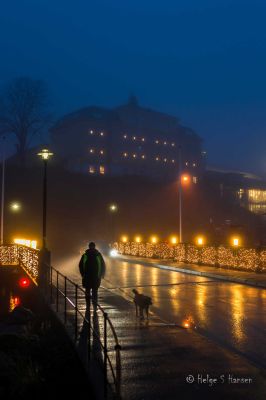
x=94 y=295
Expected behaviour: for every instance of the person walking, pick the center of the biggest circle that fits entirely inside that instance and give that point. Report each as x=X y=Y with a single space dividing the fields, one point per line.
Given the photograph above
x=92 y=270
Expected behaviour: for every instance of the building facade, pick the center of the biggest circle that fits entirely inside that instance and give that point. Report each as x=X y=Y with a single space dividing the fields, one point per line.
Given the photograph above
x=127 y=140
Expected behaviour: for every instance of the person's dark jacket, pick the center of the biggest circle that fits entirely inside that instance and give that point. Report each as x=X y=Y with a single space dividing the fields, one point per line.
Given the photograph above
x=92 y=268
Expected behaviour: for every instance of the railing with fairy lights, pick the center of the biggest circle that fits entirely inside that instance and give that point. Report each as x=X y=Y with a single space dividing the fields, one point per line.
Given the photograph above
x=90 y=329
x=241 y=258
x=23 y=256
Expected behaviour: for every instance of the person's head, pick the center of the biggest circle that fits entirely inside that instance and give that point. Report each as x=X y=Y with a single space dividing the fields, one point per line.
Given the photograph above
x=92 y=245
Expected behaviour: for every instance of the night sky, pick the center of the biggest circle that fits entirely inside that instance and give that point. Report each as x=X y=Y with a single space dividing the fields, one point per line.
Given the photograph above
x=203 y=61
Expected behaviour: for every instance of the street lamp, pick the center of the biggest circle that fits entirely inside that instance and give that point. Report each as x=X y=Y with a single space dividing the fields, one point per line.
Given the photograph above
x=113 y=208
x=45 y=154
x=15 y=206
x=183 y=180
x=2 y=193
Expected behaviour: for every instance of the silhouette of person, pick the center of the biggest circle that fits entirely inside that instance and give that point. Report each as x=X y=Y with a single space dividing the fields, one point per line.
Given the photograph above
x=92 y=270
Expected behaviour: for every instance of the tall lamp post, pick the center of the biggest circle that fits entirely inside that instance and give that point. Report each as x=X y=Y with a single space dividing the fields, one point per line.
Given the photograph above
x=113 y=208
x=3 y=192
x=45 y=154
x=180 y=193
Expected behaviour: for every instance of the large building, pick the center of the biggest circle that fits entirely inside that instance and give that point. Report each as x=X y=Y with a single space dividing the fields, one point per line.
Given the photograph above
x=127 y=140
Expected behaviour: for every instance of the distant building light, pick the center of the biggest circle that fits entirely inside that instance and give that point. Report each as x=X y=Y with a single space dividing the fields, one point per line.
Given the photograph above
x=134 y=155
x=125 y=154
x=91 y=150
x=194 y=164
x=143 y=156
x=134 y=138
x=101 y=152
x=125 y=136
x=157 y=159
x=165 y=159
x=157 y=141
x=173 y=161
x=91 y=170
x=186 y=163
x=91 y=132
x=164 y=143
x=143 y=139
x=204 y=153
x=194 y=179
x=173 y=144
x=102 y=170
x=102 y=134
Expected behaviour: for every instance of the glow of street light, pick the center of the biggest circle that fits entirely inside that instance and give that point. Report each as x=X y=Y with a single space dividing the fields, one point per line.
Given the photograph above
x=154 y=239
x=200 y=240
x=15 y=206
x=174 y=239
x=113 y=207
x=138 y=239
x=185 y=179
x=235 y=241
x=45 y=154
x=124 y=239
x=113 y=253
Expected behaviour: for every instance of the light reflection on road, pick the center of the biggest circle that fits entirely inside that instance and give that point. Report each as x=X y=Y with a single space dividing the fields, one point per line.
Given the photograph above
x=229 y=313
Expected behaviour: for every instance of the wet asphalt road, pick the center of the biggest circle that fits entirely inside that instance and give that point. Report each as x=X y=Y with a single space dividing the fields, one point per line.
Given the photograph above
x=232 y=315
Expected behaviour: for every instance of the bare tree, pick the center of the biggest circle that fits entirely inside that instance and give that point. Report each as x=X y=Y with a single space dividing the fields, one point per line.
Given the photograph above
x=23 y=111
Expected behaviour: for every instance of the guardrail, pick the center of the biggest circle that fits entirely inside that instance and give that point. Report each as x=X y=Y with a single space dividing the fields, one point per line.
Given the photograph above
x=97 y=332
x=25 y=257
x=66 y=295
x=241 y=258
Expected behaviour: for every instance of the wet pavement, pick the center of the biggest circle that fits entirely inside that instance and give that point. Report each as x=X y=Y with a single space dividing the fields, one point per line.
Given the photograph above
x=159 y=355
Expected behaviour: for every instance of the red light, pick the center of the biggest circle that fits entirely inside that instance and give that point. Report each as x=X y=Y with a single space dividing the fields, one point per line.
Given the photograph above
x=24 y=282
x=16 y=301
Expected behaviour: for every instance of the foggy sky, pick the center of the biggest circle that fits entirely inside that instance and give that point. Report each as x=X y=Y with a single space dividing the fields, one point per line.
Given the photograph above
x=203 y=61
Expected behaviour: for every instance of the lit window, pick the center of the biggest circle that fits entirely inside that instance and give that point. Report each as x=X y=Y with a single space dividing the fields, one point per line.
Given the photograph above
x=101 y=152
x=134 y=155
x=134 y=138
x=91 y=170
x=102 y=170
x=157 y=141
x=91 y=150
x=172 y=144
x=125 y=136
x=101 y=133
x=143 y=156
x=125 y=154
x=194 y=179
x=143 y=139
x=164 y=143
x=91 y=132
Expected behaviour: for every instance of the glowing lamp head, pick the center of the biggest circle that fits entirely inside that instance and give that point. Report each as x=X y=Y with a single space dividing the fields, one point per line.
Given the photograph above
x=235 y=241
x=113 y=208
x=185 y=179
x=45 y=154
x=200 y=240
x=173 y=239
x=124 y=239
x=24 y=282
x=113 y=253
x=154 y=239
x=138 y=239
x=15 y=206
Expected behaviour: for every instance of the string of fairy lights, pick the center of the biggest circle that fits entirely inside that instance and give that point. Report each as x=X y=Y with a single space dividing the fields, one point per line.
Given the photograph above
x=234 y=256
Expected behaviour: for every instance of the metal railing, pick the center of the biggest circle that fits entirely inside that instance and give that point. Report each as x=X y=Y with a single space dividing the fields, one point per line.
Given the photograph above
x=97 y=340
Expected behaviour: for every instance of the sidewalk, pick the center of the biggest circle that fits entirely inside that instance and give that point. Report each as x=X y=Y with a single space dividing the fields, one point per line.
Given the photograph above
x=243 y=277
x=158 y=360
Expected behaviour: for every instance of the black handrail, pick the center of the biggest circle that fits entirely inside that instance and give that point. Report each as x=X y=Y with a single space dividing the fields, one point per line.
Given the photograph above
x=115 y=370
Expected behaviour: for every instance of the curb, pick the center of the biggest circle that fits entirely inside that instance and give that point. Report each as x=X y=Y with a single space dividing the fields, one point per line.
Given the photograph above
x=233 y=279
